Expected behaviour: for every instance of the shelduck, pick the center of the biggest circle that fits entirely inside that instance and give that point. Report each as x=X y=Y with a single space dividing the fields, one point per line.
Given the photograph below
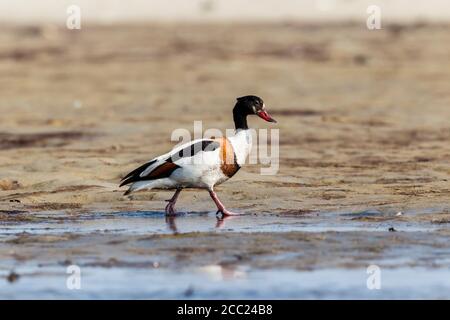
x=201 y=163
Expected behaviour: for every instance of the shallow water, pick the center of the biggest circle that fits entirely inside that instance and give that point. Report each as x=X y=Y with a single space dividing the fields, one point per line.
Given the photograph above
x=150 y=222
x=217 y=282
x=134 y=277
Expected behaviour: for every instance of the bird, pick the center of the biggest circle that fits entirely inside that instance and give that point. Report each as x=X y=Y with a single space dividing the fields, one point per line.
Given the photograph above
x=201 y=163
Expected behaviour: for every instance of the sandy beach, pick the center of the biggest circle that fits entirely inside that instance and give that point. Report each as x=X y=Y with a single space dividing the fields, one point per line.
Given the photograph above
x=363 y=124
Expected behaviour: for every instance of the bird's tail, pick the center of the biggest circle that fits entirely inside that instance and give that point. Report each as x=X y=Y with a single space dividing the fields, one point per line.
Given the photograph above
x=139 y=185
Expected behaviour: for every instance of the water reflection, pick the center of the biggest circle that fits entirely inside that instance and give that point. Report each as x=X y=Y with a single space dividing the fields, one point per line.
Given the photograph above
x=221 y=221
x=172 y=225
x=218 y=272
x=170 y=222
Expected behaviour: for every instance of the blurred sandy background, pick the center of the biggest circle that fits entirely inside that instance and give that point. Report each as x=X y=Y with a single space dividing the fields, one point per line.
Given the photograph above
x=113 y=11
x=363 y=115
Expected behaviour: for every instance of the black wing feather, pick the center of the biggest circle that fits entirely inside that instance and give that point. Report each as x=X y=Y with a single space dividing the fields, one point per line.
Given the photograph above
x=134 y=175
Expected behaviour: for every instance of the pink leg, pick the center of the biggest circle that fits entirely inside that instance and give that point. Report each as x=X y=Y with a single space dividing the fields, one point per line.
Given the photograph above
x=220 y=206
x=170 y=208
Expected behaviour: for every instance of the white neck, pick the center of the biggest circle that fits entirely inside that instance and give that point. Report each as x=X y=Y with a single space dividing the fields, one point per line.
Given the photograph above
x=242 y=144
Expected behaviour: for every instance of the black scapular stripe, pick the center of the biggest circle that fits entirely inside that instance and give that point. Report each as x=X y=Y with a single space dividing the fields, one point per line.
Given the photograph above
x=193 y=149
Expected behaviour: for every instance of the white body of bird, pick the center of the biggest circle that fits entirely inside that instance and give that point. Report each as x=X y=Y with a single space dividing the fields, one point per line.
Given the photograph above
x=204 y=169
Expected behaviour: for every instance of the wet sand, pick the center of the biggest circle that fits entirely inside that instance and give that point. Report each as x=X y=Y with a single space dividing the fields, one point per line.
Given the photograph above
x=363 y=128
x=145 y=255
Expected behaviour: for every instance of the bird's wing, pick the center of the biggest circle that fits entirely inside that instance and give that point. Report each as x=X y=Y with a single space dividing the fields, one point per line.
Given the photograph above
x=164 y=165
